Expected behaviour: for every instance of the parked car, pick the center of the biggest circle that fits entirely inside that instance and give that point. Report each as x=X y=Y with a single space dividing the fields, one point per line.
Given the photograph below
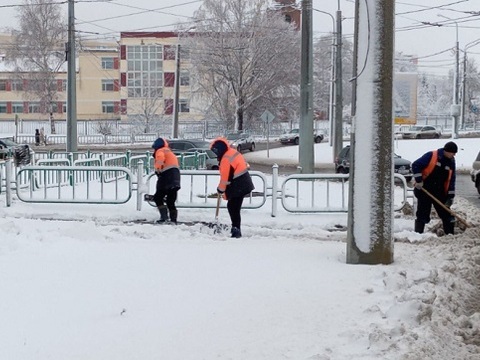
x=400 y=165
x=211 y=161
x=21 y=153
x=293 y=137
x=183 y=146
x=241 y=141
x=475 y=173
x=421 y=132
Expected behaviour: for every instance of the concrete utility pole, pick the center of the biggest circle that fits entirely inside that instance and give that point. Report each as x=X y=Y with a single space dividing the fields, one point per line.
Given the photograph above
x=370 y=221
x=72 y=142
x=176 y=96
x=338 y=134
x=306 y=150
x=455 y=108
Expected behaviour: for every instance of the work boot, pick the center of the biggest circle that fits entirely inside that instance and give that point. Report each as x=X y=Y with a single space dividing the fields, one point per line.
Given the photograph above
x=173 y=216
x=449 y=226
x=236 y=233
x=163 y=214
x=419 y=227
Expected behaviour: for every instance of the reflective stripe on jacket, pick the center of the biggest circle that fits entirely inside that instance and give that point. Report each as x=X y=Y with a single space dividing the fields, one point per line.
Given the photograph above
x=424 y=167
x=232 y=166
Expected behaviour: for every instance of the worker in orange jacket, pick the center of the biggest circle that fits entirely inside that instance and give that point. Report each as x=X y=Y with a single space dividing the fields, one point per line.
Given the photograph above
x=235 y=181
x=168 y=180
x=435 y=171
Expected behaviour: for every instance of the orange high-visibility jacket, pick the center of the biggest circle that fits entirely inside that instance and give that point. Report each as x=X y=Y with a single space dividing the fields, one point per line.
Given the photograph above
x=165 y=159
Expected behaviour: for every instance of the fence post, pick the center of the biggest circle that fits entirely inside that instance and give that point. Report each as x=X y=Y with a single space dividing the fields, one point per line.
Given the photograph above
x=274 y=189
x=8 y=184
x=141 y=188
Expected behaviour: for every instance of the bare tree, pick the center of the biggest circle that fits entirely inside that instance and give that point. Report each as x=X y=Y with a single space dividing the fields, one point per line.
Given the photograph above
x=242 y=54
x=322 y=74
x=37 y=51
x=145 y=111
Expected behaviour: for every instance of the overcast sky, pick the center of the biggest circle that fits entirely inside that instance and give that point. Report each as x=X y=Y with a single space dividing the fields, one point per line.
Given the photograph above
x=414 y=35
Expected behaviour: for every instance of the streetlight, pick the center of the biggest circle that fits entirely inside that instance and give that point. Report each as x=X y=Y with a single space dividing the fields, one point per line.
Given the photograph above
x=332 y=79
x=455 y=111
x=464 y=79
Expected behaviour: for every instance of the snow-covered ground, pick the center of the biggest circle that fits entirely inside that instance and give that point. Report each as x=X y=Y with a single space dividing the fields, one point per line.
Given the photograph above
x=86 y=285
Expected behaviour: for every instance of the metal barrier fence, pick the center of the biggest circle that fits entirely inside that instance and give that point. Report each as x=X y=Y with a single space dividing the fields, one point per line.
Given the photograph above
x=298 y=193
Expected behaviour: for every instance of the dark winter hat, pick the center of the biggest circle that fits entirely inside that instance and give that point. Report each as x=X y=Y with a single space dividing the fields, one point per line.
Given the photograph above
x=219 y=147
x=158 y=144
x=451 y=147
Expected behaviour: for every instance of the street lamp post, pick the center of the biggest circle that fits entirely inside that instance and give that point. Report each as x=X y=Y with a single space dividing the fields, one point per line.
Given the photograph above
x=464 y=80
x=332 y=80
x=455 y=109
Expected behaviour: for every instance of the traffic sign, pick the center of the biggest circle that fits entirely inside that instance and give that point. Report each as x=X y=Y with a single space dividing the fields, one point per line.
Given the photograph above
x=267 y=117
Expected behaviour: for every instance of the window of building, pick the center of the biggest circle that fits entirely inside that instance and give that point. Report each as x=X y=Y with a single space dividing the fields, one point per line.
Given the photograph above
x=108 y=85
x=108 y=107
x=169 y=52
x=34 y=107
x=17 y=85
x=184 y=78
x=64 y=107
x=108 y=63
x=36 y=85
x=17 y=107
x=183 y=105
x=3 y=107
x=184 y=53
x=3 y=85
x=144 y=70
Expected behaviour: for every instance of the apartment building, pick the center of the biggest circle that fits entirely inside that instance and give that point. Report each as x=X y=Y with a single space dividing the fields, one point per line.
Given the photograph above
x=98 y=90
x=149 y=64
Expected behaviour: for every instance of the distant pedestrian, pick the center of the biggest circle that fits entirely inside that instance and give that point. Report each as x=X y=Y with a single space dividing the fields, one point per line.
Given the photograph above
x=435 y=172
x=235 y=181
x=37 y=137
x=168 y=180
x=43 y=139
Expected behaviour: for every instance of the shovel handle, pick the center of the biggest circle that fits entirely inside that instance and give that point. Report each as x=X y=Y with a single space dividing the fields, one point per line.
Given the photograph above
x=464 y=222
x=217 y=210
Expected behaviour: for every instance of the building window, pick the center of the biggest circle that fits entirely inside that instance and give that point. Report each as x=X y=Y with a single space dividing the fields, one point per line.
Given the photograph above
x=108 y=107
x=183 y=106
x=108 y=85
x=169 y=52
x=3 y=107
x=3 y=85
x=108 y=63
x=17 y=107
x=64 y=107
x=288 y=18
x=184 y=53
x=34 y=107
x=36 y=85
x=17 y=85
x=184 y=78
x=144 y=71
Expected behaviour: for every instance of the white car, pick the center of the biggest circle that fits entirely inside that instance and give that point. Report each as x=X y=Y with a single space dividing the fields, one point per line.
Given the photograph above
x=293 y=137
x=241 y=141
x=475 y=173
x=422 y=132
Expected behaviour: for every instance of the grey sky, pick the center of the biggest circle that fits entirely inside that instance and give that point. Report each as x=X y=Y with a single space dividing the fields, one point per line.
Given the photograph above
x=414 y=35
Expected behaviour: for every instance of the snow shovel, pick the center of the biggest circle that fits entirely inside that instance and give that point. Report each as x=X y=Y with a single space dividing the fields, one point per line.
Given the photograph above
x=450 y=211
x=215 y=225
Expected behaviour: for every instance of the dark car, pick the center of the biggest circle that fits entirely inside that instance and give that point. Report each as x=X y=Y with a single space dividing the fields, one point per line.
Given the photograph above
x=401 y=165
x=21 y=153
x=183 y=146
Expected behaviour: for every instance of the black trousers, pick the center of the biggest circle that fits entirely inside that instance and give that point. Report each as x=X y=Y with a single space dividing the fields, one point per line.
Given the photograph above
x=169 y=197
x=234 y=206
x=424 y=208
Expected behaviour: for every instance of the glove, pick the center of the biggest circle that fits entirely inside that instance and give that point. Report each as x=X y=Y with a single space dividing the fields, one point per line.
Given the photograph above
x=449 y=202
x=419 y=185
x=220 y=191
